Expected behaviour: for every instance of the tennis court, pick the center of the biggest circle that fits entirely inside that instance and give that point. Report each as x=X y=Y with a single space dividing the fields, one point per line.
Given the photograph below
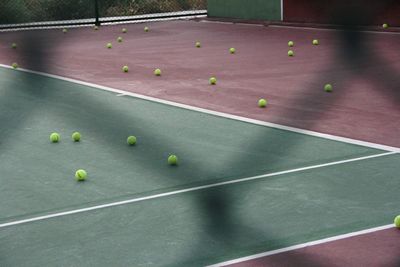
x=305 y=181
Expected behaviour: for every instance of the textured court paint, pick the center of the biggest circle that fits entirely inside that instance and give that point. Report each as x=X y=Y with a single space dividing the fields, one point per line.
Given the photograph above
x=363 y=105
x=38 y=176
x=177 y=231
x=244 y=9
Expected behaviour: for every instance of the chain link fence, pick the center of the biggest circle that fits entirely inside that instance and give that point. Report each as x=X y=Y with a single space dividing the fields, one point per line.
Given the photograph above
x=25 y=13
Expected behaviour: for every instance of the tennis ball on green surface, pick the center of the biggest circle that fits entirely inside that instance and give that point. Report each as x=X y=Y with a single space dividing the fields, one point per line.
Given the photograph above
x=125 y=68
x=397 y=222
x=76 y=136
x=232 y=50
x=213 y=81
x=290 y=43
x=55 y=137
x=64 y=30
x=146 y=29
x=262 y=103
x=315 y=42
x=157 y=72
x=198 y=44
x=328 y=88
x=290 y=53
x=131 y=140
x=385 y=25
x=173 y=160
x=80 y=175
x=109 y=45
x=14 y=45
x=119 y=39
x=14 y=65
x=124 y=30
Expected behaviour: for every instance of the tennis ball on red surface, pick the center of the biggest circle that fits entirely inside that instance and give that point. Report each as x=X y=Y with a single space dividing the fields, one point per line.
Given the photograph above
x=232 y=50
x=290 y=43
x=131 y=140
x=95 y=27
x=14 y=45
x=124 y=30
x=262 y=103
x=397 y=222
x=125 y=68
x=157 y=72
x=14 y=65
x=315 y=42
x=64 y=30
x=385 y=25
x=173 y=160
x=213 y=81
x=119 y=39
x=55 y=137
x=198 y=44
x=328 y=88
x=109 y=45
x=80 y=175
x=146 y=29
x=76 y=136
x=290 y=53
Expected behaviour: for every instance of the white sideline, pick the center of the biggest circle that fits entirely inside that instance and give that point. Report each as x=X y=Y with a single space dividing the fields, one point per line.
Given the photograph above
x=304 y=245
x=216 y=113
x=128 y=201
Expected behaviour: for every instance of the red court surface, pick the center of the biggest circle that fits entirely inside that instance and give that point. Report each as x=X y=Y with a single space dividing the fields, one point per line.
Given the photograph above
x=363 y=68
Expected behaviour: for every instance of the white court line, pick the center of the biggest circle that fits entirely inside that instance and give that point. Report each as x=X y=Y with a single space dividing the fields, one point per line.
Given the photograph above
x=305 y=28
x=217 y=113
x=133 y=200
x=304 y=245
x=121 y=94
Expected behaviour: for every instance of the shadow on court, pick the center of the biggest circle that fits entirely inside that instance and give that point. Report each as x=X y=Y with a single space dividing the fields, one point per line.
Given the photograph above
x=220 y=220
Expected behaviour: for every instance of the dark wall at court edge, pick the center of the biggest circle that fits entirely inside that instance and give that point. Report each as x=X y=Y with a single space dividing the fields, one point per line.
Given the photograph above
x=245 y=9
x=360 y=12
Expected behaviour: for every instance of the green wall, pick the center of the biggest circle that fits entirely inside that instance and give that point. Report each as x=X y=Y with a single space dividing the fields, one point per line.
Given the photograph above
x=245 y=9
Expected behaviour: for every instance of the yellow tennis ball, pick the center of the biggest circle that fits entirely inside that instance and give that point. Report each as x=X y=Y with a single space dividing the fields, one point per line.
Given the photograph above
x=315 y=42
x=76 y=136
x=213 y=81
x=131 y=140
x=198 y=44
x=397 y=222
x=124 y=30
x=262 y=103
x=80 y=175
x=290 y=43
x=14 y=45
x=125 y=68
x=157 y=72
x=109 y=45
x=95 y=27
x=55 y=137
x=14 y=65
x=173 y=160
x=290 y=53
x=328 y=88
x=146 y=29
x=232 y=50
x=385 y=25
x=64 y=30
x=119 y=39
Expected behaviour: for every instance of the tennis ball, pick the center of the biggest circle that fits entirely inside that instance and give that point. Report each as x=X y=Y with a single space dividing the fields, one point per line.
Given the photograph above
x=328 y=88
x=232 y=50
x=96 y=28
x=290 y=43
x=198 y=44
x=146 y=29
x=173 y=160
x=14 y=45
x=385 y=25
x=54 y=137
x=315 y=42
x=397 y=222
x=76 y=136
x=290 y=53
x=119 y=39
x=131 y=140
x=262 y=103
x=64 y=30
x=125 y=68
x=80 y=175
x=157 y=72
x=124 y=30
x=213 y=81
x=109 y=45
x=15 y=65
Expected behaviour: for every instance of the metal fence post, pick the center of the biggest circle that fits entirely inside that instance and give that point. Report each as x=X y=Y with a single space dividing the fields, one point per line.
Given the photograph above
x=96 y=12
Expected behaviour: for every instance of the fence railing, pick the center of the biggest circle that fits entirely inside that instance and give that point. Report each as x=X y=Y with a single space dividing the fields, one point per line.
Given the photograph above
x=34 y=13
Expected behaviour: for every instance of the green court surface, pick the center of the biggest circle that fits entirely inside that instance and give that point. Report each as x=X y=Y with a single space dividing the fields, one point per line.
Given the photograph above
x=193 y=227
